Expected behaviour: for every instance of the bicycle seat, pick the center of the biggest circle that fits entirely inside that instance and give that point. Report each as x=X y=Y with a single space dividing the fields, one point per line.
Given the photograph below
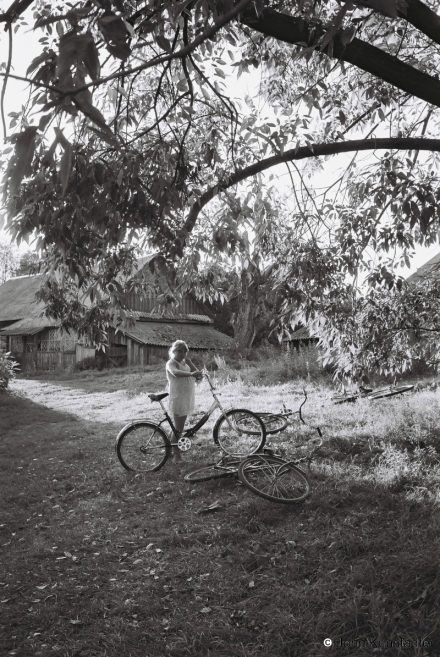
x=158 y=396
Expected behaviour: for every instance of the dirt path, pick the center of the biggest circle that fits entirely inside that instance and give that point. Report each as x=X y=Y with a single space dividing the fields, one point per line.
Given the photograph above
x=105 y=407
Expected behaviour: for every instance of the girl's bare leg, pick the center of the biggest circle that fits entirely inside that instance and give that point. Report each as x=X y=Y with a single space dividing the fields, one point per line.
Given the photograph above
x=179 y=423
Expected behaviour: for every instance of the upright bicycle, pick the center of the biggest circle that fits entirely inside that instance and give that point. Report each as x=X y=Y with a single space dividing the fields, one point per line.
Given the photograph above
x=143 y=445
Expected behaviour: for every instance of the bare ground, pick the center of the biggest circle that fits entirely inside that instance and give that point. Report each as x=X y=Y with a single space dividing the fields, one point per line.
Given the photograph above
x=103 y=407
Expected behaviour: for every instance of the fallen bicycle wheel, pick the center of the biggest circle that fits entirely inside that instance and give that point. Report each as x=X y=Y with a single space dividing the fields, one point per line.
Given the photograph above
x=211 y=471
x=390 y=391
x=273 y=423
x=343 y=399
x=274 y=478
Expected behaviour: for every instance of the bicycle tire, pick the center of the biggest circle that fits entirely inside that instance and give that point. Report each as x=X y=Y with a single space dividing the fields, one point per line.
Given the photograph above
x=211 y=471
x=274 y=478
x=142 y=447
x=390 y=392
x=241 y=433
x=273 y=423
x=342 y=399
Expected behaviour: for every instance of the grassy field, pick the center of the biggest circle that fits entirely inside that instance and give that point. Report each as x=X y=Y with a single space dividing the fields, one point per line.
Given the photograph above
x=98 y=562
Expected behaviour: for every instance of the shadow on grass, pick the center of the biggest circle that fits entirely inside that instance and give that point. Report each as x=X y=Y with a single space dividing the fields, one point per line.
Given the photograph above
x=99 y=562
x=17 y=411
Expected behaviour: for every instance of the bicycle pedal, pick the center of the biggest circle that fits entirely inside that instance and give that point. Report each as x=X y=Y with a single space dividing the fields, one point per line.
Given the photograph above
x=184 y=444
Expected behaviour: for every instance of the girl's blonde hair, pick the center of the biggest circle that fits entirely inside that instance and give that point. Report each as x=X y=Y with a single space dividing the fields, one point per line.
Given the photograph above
x=175 y=345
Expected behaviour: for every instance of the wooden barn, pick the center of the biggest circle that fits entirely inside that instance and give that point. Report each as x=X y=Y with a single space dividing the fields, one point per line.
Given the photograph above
x=300 y=338
x=38 y=343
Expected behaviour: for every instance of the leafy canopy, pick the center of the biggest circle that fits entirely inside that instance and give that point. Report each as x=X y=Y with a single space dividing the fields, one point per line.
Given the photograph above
x=132 y=129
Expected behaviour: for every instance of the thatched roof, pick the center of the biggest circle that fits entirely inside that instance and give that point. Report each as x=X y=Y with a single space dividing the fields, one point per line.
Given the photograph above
x=164 y=333
x=17 y=298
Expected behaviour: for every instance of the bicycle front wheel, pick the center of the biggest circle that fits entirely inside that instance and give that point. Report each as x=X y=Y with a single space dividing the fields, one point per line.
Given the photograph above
x=142 y=447
x=239 y=432
x=274 y=478
x=390 y=392
x=273 y=423
x=211 y=471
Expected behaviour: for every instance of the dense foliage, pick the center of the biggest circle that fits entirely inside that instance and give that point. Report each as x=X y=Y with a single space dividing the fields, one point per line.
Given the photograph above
x=8 y=369
x=133 y=137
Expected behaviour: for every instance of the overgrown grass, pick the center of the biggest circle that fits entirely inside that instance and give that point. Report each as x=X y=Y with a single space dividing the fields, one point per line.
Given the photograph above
x=98 y=562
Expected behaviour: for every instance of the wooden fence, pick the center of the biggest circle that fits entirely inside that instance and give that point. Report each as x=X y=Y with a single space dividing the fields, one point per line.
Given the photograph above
x=46 y=360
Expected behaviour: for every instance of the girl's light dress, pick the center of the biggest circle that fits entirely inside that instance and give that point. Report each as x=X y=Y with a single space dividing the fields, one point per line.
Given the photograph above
x=181 y=389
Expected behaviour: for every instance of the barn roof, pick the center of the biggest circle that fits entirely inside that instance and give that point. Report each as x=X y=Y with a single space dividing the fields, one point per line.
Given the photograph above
x=29 y=326
x=186 y=317
x=17 y=298
x=302 y=333
x=430 y=267
x=23 y=314
x=164 y=333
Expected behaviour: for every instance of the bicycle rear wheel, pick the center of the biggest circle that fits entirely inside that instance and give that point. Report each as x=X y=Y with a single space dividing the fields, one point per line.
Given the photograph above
x=273 y=423
x=142 y=447
x=239 y=432
x=391 y=391
x=211 y=471
x=274 y=479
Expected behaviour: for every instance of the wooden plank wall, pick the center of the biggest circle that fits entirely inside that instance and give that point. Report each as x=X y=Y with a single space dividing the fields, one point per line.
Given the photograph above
x=146 y=304
x=47 y=360
x=116 y=337
x=150 y=354
x=138 y=354
x=83 y=351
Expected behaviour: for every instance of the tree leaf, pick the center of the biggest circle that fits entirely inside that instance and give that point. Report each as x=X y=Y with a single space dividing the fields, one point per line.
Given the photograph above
x=112 y=27
x=39 y=60
x=44 y=121
x=347 y=35
x=121 y=50
x=163 y=43
x=42 y=21
x=91 y=59
x=65 y=167
x=99 y=172
x=48 y=156
x=23 y=156
x=106 y=136
x=75 y=49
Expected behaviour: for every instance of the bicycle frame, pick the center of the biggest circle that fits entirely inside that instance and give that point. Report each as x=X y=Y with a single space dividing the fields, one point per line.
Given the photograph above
x=188 y=433
x=287 y=414
x=299 y=411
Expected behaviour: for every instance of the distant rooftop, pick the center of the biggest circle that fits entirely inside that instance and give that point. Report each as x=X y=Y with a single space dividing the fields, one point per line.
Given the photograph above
x=430 y=267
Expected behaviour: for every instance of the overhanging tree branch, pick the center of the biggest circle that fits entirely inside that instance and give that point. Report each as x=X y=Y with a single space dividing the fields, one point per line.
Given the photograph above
x=304 y=152
x=17 y=8
x=421 y=16
x=179 y=54
x=307 y=34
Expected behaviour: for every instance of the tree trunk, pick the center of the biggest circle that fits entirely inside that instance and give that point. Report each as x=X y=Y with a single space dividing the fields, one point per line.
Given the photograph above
x=248 y=304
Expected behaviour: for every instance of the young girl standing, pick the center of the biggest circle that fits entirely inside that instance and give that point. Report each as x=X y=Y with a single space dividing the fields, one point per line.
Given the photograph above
x=181 y=373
